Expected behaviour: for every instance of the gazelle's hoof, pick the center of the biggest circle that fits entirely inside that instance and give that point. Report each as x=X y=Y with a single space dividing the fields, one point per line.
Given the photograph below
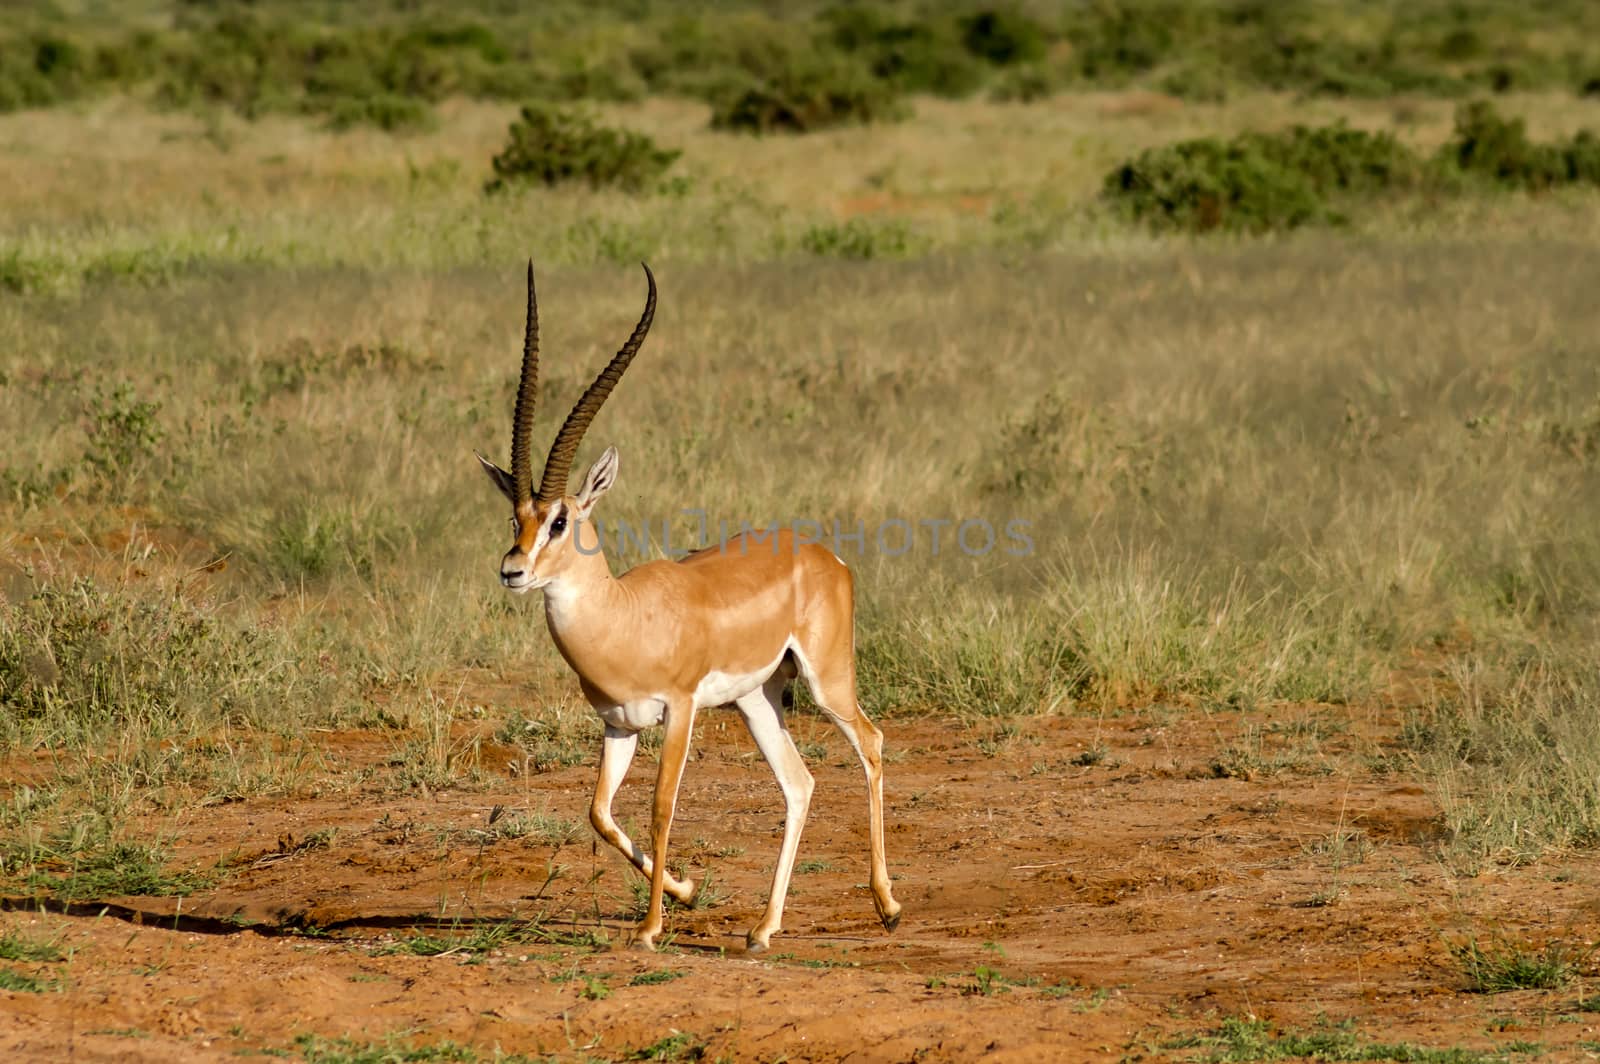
x=685 y=897
x=891 y=920
x=643 y=944
x=755 y=942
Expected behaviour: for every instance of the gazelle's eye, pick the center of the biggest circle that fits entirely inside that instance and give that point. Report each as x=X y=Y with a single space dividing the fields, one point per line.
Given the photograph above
x=558 y=526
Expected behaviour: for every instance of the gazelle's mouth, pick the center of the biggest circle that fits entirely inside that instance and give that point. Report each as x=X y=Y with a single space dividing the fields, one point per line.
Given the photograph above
x=520 y=585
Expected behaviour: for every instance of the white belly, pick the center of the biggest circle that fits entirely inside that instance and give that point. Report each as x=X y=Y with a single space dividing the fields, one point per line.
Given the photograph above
x=720 y=688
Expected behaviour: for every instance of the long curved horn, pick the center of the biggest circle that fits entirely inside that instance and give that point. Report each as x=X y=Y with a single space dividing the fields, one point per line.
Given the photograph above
x=527 y=399
x=559 y=465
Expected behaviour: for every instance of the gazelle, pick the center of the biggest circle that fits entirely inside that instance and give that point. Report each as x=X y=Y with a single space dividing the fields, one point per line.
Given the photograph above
x=732 y=624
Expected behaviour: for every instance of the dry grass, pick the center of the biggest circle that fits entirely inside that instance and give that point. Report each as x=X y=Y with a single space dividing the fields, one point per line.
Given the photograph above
x=1277 y=470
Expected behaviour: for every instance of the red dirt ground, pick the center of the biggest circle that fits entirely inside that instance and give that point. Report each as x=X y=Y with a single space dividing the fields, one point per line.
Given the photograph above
x=1108 y=908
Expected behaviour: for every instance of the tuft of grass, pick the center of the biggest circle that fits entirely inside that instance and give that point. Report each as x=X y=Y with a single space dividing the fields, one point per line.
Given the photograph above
x=114 y=870
x=680 y=1045
x=1504 y=965
x=480 y=938
x=1510 y=749
x=863 y=239
x=314 y=1049
x=14 y=946
x=81 y=661
x=1246 y=1039
x=557 y=737
x=23 y=983
x=661 y=975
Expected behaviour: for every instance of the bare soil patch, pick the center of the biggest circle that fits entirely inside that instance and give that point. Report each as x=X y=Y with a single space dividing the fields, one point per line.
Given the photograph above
x=1074 y=890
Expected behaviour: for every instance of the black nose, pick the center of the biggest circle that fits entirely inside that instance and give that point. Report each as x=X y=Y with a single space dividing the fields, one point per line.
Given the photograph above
x=510 y=576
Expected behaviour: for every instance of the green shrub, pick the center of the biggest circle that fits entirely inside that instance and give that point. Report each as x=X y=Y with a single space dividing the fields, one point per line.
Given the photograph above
x=924 y=55
x=1326 y=65
x=807 y=92
x=1497 y=149
x=123 y=432
x=1003 y=37
x=36 y=71
x=554 y=145
x=1259 y=181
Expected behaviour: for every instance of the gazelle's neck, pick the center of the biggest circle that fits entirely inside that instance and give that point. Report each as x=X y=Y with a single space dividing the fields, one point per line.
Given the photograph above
x=582 y=595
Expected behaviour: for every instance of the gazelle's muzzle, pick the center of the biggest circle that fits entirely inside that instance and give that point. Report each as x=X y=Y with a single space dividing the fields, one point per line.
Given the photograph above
x=516 y=571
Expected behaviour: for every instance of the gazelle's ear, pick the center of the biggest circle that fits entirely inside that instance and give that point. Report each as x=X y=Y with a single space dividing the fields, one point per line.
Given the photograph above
x=597 y=482
x=501 y=478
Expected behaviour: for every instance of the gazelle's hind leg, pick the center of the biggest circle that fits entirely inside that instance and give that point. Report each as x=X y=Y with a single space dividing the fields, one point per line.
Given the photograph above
x=831 y=675
x=615 y=756
x=763 y=715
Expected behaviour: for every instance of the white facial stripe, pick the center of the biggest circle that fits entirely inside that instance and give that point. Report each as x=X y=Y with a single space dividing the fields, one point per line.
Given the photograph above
x=557 y=511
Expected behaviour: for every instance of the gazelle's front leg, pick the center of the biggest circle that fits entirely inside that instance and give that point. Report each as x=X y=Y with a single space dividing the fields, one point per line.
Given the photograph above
x=616 y=754
x=679 y=725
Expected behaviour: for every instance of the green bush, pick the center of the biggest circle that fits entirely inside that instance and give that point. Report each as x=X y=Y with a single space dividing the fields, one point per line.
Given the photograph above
x=1259 y=181
x=36 y=71
x=1003 y=37
x=808 y=92
x=924 y=55
x=553 y=145
x=1114 y=41
x=1496 y=149
x=1327 y=65
x=1265 y=181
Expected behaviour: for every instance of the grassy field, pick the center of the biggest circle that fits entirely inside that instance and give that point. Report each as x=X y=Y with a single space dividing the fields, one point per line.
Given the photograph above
x=243 y=366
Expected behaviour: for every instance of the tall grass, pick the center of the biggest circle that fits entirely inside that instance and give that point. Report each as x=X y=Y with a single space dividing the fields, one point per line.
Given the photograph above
x=240 y=499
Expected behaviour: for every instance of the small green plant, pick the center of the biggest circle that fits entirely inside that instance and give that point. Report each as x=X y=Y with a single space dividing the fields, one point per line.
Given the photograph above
x=662 y=975
x=1504 y=965
x=552 y=145
x=680 y=1045
x=122 y=433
